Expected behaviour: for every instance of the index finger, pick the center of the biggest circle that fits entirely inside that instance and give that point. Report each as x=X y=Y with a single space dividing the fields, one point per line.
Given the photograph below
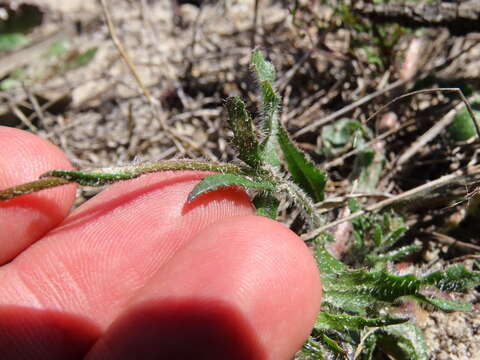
x=24 y=220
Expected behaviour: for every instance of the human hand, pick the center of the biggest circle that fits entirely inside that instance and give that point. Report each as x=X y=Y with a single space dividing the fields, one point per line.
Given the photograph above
x=137 y=273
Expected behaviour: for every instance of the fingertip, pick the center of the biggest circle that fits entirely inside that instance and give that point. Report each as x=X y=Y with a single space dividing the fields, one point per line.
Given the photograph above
x=248 y=276
x=23 y=220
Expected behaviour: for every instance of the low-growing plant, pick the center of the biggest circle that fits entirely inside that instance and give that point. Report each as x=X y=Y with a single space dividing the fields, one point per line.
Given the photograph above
x=361 y=315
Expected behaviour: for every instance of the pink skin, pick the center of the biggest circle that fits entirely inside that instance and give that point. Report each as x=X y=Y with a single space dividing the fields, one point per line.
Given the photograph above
x=136 y=273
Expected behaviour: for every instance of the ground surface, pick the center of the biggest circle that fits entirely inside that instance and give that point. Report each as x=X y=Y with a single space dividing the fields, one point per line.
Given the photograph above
x=191 y=58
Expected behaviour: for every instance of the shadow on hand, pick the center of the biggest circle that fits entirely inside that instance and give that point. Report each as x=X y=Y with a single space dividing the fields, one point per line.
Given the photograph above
x=177 y=329
x=27 y=333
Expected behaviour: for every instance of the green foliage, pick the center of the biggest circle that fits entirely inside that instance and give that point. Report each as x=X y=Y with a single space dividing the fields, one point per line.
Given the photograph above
x=82 y=59
x=59 y=58
x=303 y=171
x=9 y=83
x=360 y=306
x=57 y=49
x=454 y=278
x=244 y=137
x=367 y=169
x=264 y=70
x=16 y=23
x=462 y=127
x=12 y=41
x=213 y=182
x=341 y=134
x=265 y=74
x=402 y=341
x=372 y=40
x=359 y=301
x=266 y=204
x=393 y=255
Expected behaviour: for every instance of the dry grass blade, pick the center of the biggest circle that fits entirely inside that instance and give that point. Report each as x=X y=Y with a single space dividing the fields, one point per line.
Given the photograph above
x=123 y=52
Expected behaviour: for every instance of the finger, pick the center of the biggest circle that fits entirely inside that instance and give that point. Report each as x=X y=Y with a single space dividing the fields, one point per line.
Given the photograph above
x=23 y=220
x=106 y=250
x=243 y=288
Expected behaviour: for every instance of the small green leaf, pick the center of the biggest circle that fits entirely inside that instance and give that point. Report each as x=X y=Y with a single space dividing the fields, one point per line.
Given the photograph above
x=402 y=341
x=377 y=234
x=332 y=345
x=303 y=171
x=213 y=182
x=367 y=169
x=313 y=350
x=343 y=322
x=455 y=278
x=245 y=139
x=343 y=132
x=444 y=304
x=265 y=73
x=270 y=104
x=12 y=41
x=391 y=239
x=369 y=343
x=395 y=254
x=266 y=204
x=91 y=178
x=57 y=49
x=9 y=83
x=81 y=60
x=264 y=70
x=271 y=126
x=462 y=127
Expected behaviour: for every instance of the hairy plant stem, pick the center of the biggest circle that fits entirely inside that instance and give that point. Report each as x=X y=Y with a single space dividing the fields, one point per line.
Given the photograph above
x=133 y=171
x=298 y=196
x=31 y=187
x=100 y=177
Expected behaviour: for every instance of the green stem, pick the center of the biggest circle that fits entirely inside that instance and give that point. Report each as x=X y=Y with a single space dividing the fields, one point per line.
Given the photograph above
x=100 y=177
x=298 y=196
x=31 y=187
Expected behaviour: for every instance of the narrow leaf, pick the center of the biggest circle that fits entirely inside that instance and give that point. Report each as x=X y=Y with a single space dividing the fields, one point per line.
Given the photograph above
x=332 y=345
x=265 y=73
x=303 y=171
x=264 y=70
x=213 y=182
x=312 y=350
x=344 y=322
x=462 y=127
x=444 y=304
x=455 y=278
x=266 y=205
x=395 y=254
x=271 y=126
x=367 y=169
x=82 y=59
x=354 y=290
x=245 y=139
